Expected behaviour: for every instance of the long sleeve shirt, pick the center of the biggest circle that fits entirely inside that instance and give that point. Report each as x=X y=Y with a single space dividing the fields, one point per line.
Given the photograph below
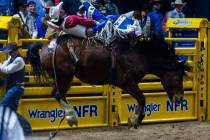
x=156 y=21
x=31 y=23
x=16 y=65
x=175 y=14
x=145 y=25
x=22 y=17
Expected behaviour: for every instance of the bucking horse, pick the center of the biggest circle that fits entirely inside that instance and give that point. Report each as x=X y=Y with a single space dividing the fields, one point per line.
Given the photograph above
x=123 y=64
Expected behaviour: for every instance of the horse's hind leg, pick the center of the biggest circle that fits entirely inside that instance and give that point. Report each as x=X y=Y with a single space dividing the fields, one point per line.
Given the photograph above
x=63 y=85
x=134 y=90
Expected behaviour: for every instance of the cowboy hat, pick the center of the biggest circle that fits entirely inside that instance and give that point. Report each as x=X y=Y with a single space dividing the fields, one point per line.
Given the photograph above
x=178 y=2
x=156 y=1
x=55 y=12
x=10 y=47
x=47 y=5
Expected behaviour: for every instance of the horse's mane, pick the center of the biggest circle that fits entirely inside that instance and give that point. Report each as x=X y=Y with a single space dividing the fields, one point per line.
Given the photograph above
x=155 y=45
x=151 y=47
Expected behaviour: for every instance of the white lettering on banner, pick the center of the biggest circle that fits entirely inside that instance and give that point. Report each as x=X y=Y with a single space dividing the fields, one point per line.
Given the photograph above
x=148 y=108
x=82 y=112
x=172 y=107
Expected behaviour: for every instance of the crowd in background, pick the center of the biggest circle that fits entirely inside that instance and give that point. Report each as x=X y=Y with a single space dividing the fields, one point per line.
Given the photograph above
x=154 y=13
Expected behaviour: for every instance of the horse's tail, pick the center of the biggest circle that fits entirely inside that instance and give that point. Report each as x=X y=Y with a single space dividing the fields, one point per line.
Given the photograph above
x=34 y=59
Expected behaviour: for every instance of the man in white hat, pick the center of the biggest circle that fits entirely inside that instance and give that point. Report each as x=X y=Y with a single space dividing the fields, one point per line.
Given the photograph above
x=177 y=12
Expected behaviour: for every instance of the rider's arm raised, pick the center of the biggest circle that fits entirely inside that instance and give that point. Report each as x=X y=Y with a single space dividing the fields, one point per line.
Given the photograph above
x=51 y=25
x=129 y=14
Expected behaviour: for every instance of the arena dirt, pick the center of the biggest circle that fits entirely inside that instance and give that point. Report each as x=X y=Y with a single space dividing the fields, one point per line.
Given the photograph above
x=165 y=131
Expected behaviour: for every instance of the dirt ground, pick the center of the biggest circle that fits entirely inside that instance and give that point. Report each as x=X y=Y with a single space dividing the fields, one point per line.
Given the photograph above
x=193 y=130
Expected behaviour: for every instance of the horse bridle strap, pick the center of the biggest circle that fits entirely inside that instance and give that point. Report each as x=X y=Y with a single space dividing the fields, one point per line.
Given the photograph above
x=72 y=52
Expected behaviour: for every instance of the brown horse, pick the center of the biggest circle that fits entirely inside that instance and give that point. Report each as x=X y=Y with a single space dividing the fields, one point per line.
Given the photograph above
x=120 y=65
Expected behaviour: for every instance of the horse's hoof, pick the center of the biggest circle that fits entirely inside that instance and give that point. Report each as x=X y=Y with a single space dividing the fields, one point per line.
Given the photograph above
x=71 y=117
x=136 y=126
x=72 y=120
x=133 y=122
x=129 y=123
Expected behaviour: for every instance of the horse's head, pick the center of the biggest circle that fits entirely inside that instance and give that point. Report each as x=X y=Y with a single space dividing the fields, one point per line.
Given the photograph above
x=172 y=80
x=164 y=63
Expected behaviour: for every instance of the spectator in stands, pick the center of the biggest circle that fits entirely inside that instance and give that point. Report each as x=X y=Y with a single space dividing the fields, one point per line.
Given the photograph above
x=42 y=28
x=177 y=12
x=156 y=17
x=102 y=8
x=10 y=128
x=6 y=9
x=38 y=7
x=14 y=70
x=111 y=8
x=71 y=6
x=31 y=20
x=145 y=21
x=165 y=19
x=23 y=15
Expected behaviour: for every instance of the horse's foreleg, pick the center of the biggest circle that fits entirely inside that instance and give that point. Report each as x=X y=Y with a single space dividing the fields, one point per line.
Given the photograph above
x=134 y=91
x=59 y=94
x=70 y=114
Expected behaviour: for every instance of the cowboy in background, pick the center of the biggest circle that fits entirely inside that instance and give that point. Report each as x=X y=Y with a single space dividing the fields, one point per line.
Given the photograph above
x=156 y=17
x=14 y=70
x=145 y=21
x=177 y=11
x=111 y=8
x=22 y=14
x=31 y=20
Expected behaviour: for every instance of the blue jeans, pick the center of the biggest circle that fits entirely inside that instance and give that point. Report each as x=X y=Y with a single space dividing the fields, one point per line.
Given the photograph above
x=11 y=100
x=12 y=97
x=99 y=26
x=95 y=14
